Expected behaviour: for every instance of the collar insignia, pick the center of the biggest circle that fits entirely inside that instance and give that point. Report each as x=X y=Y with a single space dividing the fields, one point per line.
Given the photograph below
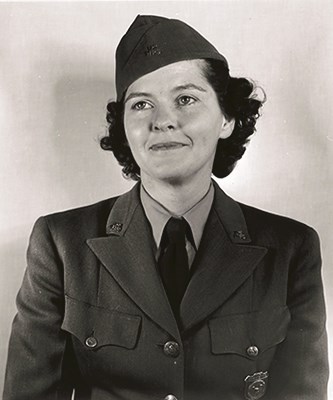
x=115 y=228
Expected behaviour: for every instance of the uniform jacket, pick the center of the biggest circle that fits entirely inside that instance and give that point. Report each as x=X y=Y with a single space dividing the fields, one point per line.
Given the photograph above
x=93 y=314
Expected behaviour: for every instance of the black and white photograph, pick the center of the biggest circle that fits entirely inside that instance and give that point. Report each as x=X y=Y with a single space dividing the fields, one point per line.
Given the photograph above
x=166 y=207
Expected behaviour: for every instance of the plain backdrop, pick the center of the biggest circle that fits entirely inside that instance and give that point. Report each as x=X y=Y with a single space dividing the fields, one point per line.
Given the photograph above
x=57 y=74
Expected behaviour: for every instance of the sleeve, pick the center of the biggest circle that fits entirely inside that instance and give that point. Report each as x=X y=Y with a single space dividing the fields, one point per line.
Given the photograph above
x=300 y=367
x=37 y=347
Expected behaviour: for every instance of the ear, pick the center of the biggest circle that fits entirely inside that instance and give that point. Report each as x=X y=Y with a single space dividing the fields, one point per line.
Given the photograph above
x=227 y=128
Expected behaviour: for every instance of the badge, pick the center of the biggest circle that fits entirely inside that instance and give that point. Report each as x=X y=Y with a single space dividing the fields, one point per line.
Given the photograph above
x=256 y=385
x=240 y=235
x=152 y=50
x=115 y=228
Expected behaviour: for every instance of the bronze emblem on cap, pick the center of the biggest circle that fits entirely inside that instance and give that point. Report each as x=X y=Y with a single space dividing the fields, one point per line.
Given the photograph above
x=115 y=228
x=256 y=385
x=152 y=50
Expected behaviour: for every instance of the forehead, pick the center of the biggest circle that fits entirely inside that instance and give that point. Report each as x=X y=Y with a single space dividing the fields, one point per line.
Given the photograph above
x=181 y=72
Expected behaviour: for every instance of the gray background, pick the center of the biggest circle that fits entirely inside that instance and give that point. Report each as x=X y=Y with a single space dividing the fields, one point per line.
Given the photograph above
x=56 y=75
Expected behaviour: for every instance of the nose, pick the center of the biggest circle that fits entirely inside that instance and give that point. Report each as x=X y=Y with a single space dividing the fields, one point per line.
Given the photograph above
x=164 y=120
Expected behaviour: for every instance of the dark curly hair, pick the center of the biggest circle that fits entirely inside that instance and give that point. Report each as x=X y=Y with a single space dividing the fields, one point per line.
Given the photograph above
x=239 y=101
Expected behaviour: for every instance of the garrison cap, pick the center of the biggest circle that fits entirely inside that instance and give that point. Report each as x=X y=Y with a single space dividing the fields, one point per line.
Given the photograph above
x=152 y=42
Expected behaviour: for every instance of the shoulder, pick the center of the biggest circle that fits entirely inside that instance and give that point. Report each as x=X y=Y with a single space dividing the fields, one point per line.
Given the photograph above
x=269 y=227
x=88 y=220
x=265 y=228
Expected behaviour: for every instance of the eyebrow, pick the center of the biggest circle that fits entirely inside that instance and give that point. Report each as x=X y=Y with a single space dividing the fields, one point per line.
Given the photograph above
x=189 y=86
x=176 y=89
x=137 y=94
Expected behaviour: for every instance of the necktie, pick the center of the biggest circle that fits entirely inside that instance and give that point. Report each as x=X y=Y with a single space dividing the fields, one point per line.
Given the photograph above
x=173 y=262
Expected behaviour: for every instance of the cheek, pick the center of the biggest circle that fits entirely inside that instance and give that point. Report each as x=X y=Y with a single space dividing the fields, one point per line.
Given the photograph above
x=136 y=125
x=192 y=120
x=132 y=132
x=134 y=142
x=128 y=125
x=202 y=129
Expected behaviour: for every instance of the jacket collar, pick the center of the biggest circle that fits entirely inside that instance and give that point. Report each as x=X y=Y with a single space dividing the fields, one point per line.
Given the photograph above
x=231 y=217
x=127 y=253
x=225 y=259
x=228 y=210
x=122 y=212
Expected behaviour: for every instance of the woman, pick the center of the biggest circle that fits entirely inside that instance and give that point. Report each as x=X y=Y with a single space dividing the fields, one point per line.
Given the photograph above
x=172 y=290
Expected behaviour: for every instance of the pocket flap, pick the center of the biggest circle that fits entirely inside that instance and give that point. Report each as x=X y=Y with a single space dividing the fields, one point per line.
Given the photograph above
x=237 y=333
x=96 y=327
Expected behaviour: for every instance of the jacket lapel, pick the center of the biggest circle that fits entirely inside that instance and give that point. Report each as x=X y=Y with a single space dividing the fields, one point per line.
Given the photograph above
x=128 y=255
x=223 y=262
x=225 y=259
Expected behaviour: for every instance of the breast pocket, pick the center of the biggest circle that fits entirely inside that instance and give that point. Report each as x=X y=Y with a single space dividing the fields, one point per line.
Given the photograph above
x=96 y=327
x=249 y=335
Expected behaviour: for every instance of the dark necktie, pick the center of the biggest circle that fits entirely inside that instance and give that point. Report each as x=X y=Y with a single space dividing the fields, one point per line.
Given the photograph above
x=173 y=262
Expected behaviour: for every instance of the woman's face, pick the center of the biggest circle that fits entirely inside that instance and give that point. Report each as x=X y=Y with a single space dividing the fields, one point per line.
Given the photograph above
x=173 y=122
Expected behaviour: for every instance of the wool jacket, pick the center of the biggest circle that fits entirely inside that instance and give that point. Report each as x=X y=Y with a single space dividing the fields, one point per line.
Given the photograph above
x=93 y=316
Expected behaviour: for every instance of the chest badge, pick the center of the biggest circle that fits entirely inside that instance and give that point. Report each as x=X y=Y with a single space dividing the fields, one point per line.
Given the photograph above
x=256 y=385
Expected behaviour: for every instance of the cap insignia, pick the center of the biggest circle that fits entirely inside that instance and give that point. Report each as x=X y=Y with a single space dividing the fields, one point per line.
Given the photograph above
x=152 y=50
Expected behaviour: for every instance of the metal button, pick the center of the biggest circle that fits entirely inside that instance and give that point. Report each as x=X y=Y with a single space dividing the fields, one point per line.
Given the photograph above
x=91 y=342
x=171 y=349
x=252 y=351
x=170 y=397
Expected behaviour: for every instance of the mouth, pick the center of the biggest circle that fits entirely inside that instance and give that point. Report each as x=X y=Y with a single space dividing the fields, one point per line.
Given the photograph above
x=166 y=146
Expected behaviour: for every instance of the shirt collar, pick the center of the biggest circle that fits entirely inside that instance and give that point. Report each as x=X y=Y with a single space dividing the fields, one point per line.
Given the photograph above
x=158 y=215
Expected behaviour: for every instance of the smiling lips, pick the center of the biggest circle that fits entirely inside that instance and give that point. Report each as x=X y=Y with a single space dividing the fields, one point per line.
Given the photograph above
x=166 y=146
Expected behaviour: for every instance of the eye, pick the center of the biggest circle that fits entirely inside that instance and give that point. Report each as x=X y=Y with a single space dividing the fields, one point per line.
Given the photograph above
x=141 y=105
x=185 y=100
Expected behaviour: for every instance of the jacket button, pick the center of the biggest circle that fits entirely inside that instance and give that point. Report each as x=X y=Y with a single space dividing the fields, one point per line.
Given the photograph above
x=170 y=397
x=91 y=342
x=252 y=351
x=171 y=349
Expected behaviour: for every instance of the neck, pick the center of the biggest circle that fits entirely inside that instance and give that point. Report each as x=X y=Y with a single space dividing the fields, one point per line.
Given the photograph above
x=176 y=197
